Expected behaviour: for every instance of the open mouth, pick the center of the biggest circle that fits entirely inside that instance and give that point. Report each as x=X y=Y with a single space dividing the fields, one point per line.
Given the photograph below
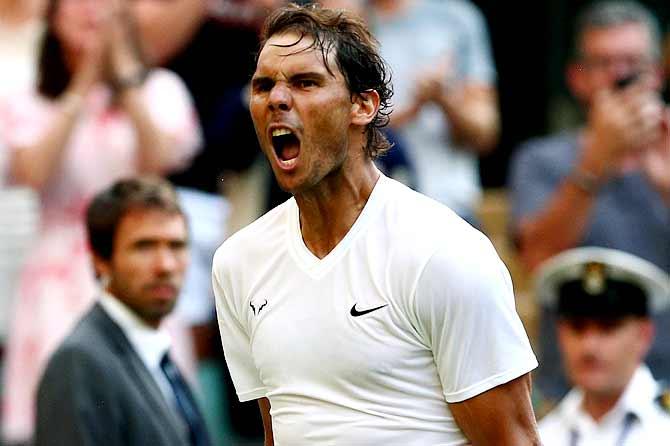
x=286 y=146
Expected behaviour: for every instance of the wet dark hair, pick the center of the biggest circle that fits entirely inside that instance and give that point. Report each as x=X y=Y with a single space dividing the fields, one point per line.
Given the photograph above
x=109 y=206
x=356 y=54
x=53 y=75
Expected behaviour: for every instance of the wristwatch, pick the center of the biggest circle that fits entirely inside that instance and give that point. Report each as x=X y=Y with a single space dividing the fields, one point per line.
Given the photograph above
x=133 y=80
x=586 y=181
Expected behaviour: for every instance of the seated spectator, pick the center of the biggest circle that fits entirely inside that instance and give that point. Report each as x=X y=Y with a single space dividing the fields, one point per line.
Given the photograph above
x=112 y=381
x=608 y=183
x=603 y=299
x=98 y=114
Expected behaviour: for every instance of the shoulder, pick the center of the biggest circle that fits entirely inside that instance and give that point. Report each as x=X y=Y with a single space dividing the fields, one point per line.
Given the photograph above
x=423 y=230
x=462 y=11
x=551 y=428
x=163 y=76
x=662 y=399
x=254 y=241
x=163 y=84
x=87 y=343
x=547 y=149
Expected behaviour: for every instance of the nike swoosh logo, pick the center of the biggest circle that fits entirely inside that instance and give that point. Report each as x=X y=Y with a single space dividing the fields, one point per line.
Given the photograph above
x=355 y=313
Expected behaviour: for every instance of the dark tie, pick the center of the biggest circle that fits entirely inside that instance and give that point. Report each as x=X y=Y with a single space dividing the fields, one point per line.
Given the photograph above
x=185 y=403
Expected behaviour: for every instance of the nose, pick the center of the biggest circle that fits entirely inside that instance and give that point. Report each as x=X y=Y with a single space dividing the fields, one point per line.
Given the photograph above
x=166 y=261
x=280 y=98
x=591 y=339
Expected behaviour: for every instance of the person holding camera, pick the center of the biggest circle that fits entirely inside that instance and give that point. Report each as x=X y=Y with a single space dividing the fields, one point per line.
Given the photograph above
x=608 y=183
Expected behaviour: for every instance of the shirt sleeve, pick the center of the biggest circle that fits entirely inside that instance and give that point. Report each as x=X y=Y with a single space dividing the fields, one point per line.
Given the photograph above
x=466 y=314
x=171 y=108
x=234 y=335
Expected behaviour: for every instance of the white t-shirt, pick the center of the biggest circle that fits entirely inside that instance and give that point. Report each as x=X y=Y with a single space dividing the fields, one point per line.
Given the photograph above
x=411 y=310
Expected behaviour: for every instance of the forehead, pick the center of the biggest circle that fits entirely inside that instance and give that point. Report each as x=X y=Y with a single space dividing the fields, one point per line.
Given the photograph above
x=626 y=38
x=293 y=52
x=150 y=224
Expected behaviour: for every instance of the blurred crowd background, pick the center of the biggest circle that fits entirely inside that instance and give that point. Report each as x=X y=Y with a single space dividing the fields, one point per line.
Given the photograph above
x=64 y=136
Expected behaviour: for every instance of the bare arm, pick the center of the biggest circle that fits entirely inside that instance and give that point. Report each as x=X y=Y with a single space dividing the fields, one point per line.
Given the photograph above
x=472 y=112
x=33 y=165
x=559 y=226
x=167 y=26
x=470 y=109
x=502 y=416
x=264 y=406
x=156 y=147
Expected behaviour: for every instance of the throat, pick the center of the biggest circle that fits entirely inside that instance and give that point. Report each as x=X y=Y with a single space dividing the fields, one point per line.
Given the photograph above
x=597 y=406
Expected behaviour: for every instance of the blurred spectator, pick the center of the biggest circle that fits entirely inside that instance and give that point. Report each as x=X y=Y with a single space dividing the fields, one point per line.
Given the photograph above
x=608 y=183
x=444 y=95
x=603 y=299
x=186 y=36
x=112 y=381
x=98 y=114
x=20 y=30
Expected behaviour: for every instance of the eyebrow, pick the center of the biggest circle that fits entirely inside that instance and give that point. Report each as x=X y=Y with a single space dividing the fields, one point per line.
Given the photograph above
x=260 y=80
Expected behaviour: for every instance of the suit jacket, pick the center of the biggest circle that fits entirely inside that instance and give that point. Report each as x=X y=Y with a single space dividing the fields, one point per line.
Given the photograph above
x=97 y=391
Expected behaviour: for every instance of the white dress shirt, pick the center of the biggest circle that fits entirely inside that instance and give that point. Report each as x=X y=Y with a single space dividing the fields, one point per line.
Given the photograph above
x=636 y=419
x=149 y=343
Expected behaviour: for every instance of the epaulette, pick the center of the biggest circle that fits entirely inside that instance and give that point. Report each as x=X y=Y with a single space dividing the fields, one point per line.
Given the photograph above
x=663 y=399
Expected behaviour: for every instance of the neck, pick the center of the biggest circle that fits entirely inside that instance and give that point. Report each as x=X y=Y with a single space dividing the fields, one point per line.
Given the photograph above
x=329 y=210
x=598 y=405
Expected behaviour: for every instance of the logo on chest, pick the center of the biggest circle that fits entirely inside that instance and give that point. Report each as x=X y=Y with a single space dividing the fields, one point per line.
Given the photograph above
x=257 y=305
x=355 y=312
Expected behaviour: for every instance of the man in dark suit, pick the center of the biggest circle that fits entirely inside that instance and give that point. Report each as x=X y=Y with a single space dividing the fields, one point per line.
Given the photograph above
x=111 y=382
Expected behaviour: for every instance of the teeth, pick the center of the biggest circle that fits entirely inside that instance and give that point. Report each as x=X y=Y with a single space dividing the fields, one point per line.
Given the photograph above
x=281 y=132
x=288 y=163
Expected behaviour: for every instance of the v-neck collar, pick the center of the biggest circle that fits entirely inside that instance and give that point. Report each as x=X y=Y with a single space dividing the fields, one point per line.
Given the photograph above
x=310 y=263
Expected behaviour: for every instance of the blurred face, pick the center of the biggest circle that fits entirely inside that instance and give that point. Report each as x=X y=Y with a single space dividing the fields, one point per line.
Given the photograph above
x=78 y=23
x=301 y=112
x=601 y=356
x=609 y=54
x=148 y=263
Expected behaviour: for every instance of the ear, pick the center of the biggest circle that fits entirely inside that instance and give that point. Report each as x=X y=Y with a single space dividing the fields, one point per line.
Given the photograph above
x=364 y=107
x=102 y=267
x=576 y=78
x=646 y=336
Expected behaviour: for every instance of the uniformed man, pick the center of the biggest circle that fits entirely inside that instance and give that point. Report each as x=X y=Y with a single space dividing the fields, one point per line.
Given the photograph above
x=603 y=299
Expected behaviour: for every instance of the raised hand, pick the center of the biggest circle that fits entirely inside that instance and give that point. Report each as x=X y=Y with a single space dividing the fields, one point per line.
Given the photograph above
x=124 y=61
x=655 y=160
x=620 y=126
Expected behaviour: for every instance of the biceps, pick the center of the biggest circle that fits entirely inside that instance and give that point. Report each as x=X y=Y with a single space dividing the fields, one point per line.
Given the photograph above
x=501 y=416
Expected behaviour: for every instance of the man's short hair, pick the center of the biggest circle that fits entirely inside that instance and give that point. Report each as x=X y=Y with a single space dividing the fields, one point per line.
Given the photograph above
x=356 y=54
x=109 y=206
x=607 y=14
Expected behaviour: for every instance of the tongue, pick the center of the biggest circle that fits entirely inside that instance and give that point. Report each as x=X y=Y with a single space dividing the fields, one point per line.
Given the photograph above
x=290 y=151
